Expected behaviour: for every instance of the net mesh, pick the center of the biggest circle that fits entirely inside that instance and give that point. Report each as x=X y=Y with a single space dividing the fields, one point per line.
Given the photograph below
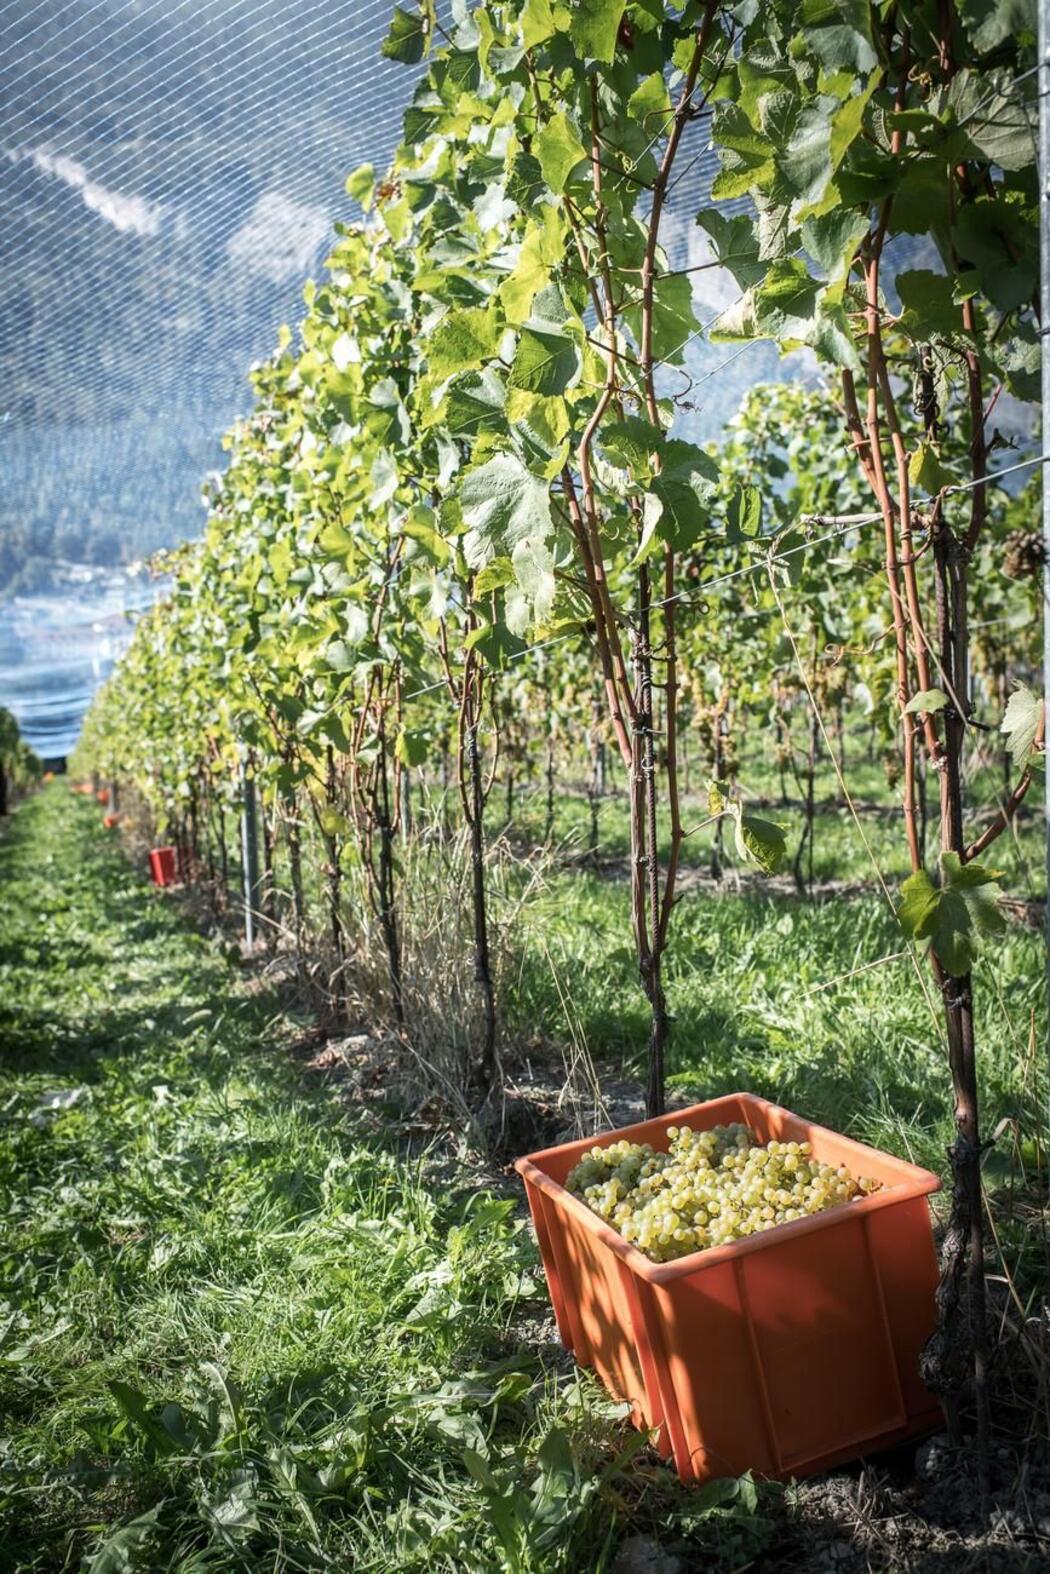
x=170 y=176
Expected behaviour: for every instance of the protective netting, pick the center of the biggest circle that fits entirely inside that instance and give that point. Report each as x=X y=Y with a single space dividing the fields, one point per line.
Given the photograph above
x=171 y=174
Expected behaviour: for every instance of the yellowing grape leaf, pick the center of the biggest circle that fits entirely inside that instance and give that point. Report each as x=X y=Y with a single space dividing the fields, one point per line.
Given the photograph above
x=1021 y=723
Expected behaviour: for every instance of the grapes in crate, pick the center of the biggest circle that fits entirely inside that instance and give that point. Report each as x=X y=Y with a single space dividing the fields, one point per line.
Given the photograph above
x=710 y=1188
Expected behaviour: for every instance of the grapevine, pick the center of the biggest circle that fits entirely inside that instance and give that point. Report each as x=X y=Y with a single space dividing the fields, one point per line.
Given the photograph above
x=466 y=509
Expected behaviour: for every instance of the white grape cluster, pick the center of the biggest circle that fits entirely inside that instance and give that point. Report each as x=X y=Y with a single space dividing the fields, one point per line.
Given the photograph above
x=709 y=1188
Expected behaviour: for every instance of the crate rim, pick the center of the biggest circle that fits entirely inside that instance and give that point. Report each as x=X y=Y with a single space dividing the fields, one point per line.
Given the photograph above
x=914 y=1182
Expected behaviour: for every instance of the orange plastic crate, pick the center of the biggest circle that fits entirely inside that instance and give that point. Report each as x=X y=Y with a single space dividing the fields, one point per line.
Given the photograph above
x=784 y=1353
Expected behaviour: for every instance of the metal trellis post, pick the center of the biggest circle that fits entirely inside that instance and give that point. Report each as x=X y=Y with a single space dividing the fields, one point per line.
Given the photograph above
x=249 y=855
x=1043 y=79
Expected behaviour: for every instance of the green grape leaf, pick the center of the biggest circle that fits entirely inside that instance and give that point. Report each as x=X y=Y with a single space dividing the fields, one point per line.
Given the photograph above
x=786 y=299
x=420 y=525
x=805 y=164
x=331 y=821
x=412 y=746
x=734 y=243
x=830 y=335
x=397 y=216
x=593 y=26
x=649 y=541
x=632 y=443
x=384 y=478
x=559 y=149
x=674 y=321
x=409 y=36
x=1021 y=723
x=465 y=339
x=717 y=797
x=992 y=125
x=759 y=842
x=926 y=702
x=920 y=205
x=540 y=252
x=534 y=571
x=955 y=915
x=744 y=514
x=340 y=656
x=497 y=642
x=831 y=239
x=1019 y=358
x=650 y=104
x=385 y=417
x=547 y=361
x=745 y=153
x=360 y=184
x=474 y=403
x=991 y=22
x=541 y=427
x=503 y=504
x=839 y=34
x=494 y=576
x=537 y=22
x=1001 y=240
x=847 y=122
x=929 y=303
x=736 y=322
x=332 y=728
x=926 y=471
x=687 y=486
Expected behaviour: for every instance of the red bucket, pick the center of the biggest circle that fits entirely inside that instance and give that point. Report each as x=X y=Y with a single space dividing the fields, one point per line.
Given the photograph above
x=162 y=865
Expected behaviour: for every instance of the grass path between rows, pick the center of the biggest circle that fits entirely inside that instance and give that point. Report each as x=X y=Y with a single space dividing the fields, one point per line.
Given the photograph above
x=234 y=1333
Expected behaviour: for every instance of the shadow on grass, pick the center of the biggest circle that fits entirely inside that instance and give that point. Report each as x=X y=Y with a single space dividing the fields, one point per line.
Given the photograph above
x=83 y=940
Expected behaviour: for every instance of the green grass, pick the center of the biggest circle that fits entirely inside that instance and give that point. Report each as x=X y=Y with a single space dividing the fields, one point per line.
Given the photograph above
x=745 y=981
x=236 y=1335
x=781 y=994
x=239 y=1334
x=757 y=978
x=842 y=851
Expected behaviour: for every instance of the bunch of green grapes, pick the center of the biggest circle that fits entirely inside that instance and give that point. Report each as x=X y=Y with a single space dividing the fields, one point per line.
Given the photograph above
x=710 y=1187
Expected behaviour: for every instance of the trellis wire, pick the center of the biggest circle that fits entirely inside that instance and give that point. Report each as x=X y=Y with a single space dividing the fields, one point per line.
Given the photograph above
x=848 y=797
x=852 y=524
